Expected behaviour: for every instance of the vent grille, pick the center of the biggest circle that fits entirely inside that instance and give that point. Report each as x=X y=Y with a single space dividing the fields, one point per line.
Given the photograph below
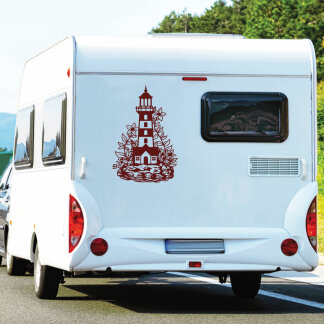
x=261 y=166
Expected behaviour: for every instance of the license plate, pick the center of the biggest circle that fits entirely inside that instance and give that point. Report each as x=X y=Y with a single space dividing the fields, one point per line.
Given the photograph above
x=194 y=246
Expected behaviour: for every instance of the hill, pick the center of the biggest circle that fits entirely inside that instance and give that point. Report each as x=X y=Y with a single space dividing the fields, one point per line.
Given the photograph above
x=7 y=130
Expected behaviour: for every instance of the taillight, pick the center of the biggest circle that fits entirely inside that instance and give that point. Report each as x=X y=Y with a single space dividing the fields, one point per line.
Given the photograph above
x=76 y=223
x=311 y=224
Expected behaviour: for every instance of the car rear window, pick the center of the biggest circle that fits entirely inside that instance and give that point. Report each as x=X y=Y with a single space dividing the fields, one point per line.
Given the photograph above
x=244 y=117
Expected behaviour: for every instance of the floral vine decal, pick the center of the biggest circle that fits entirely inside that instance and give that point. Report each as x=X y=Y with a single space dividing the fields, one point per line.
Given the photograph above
x=145 y=153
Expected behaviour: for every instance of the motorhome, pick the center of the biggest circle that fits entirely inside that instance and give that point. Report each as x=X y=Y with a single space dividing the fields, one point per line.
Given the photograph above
x=165 y=153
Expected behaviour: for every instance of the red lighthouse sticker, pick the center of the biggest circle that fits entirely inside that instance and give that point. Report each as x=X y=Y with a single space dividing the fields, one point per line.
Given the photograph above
x=145 y=153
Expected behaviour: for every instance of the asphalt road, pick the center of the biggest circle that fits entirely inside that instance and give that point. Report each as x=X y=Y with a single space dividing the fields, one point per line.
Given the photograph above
x=156 y=298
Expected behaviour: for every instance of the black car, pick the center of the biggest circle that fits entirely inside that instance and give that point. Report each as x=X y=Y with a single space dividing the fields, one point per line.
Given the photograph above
x=4 y=209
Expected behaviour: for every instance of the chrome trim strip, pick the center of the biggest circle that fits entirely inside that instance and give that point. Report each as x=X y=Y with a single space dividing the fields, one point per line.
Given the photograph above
x=73 y=108
x=198 y=74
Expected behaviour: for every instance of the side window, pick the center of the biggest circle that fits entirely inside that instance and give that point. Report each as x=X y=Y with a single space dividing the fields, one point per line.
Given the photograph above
x=244 y=117
x=54 y=130
x=24 y=139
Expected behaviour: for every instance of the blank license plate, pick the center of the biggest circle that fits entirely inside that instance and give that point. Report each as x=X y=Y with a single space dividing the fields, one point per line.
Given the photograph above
x=194 y=246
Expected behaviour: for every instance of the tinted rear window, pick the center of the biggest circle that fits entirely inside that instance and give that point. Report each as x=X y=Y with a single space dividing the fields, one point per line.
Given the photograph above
x=247 y=117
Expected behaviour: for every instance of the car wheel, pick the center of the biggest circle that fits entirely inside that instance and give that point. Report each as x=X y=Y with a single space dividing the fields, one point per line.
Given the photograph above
x=46 y=279
x=245 y=284
x=15 y=266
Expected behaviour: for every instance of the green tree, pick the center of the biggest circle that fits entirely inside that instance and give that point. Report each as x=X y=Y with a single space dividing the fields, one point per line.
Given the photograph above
x=239 y=15
x=320 y=111
x=217 y=19
x=175 y=23
x=288 y=19
x=256 y=19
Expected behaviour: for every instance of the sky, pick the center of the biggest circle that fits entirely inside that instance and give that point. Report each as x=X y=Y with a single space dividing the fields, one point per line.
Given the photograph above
x=28 y=27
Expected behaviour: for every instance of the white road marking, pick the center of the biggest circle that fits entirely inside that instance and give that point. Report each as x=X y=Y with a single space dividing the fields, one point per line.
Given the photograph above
x=261 y=292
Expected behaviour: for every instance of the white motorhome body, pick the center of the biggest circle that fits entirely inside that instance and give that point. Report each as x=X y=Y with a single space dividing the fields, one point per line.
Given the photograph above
x=221 y=174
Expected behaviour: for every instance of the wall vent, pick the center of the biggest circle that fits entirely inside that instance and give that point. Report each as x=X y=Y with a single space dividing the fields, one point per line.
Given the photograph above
x=263 y=166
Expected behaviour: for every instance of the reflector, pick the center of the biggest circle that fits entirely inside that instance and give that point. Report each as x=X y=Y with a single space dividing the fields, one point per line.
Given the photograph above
x=99 y=246
x=289 y=247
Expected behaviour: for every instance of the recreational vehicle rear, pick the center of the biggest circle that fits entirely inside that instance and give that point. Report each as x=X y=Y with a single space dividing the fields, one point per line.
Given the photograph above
x=180 y=153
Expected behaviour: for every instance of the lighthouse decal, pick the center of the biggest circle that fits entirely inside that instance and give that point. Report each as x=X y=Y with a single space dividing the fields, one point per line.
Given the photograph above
x=145 y=153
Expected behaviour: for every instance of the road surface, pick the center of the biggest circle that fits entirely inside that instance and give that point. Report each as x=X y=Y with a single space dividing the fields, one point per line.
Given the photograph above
x=159 y=298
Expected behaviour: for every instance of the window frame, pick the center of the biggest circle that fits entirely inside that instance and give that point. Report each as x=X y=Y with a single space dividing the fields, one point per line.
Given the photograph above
x=7 y=186
x=49 y=161
x=266 y=138
x=24 y=164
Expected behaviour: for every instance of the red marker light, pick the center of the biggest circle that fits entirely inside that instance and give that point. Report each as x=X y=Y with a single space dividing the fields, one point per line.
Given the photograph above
x=194 y=264
x=68 y=72
x=194 y=78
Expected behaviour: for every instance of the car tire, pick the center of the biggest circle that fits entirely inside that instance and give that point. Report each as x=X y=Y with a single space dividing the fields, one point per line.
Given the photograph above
x=245 y=284
x=46 y=279
x=0 y=260
x=15 y=266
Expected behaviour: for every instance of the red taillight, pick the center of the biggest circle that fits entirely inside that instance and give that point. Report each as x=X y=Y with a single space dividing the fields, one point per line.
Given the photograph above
x=311 y=224
x=76 y=223
x=99 y=246
x=194 y=264
x=289 y=247
x=68 y=72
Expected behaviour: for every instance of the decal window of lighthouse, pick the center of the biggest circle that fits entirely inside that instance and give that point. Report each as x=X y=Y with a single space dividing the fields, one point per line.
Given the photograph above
x=145 y=153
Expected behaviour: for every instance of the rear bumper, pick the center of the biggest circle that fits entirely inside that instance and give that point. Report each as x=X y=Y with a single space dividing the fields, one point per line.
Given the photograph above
x=143 y=249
